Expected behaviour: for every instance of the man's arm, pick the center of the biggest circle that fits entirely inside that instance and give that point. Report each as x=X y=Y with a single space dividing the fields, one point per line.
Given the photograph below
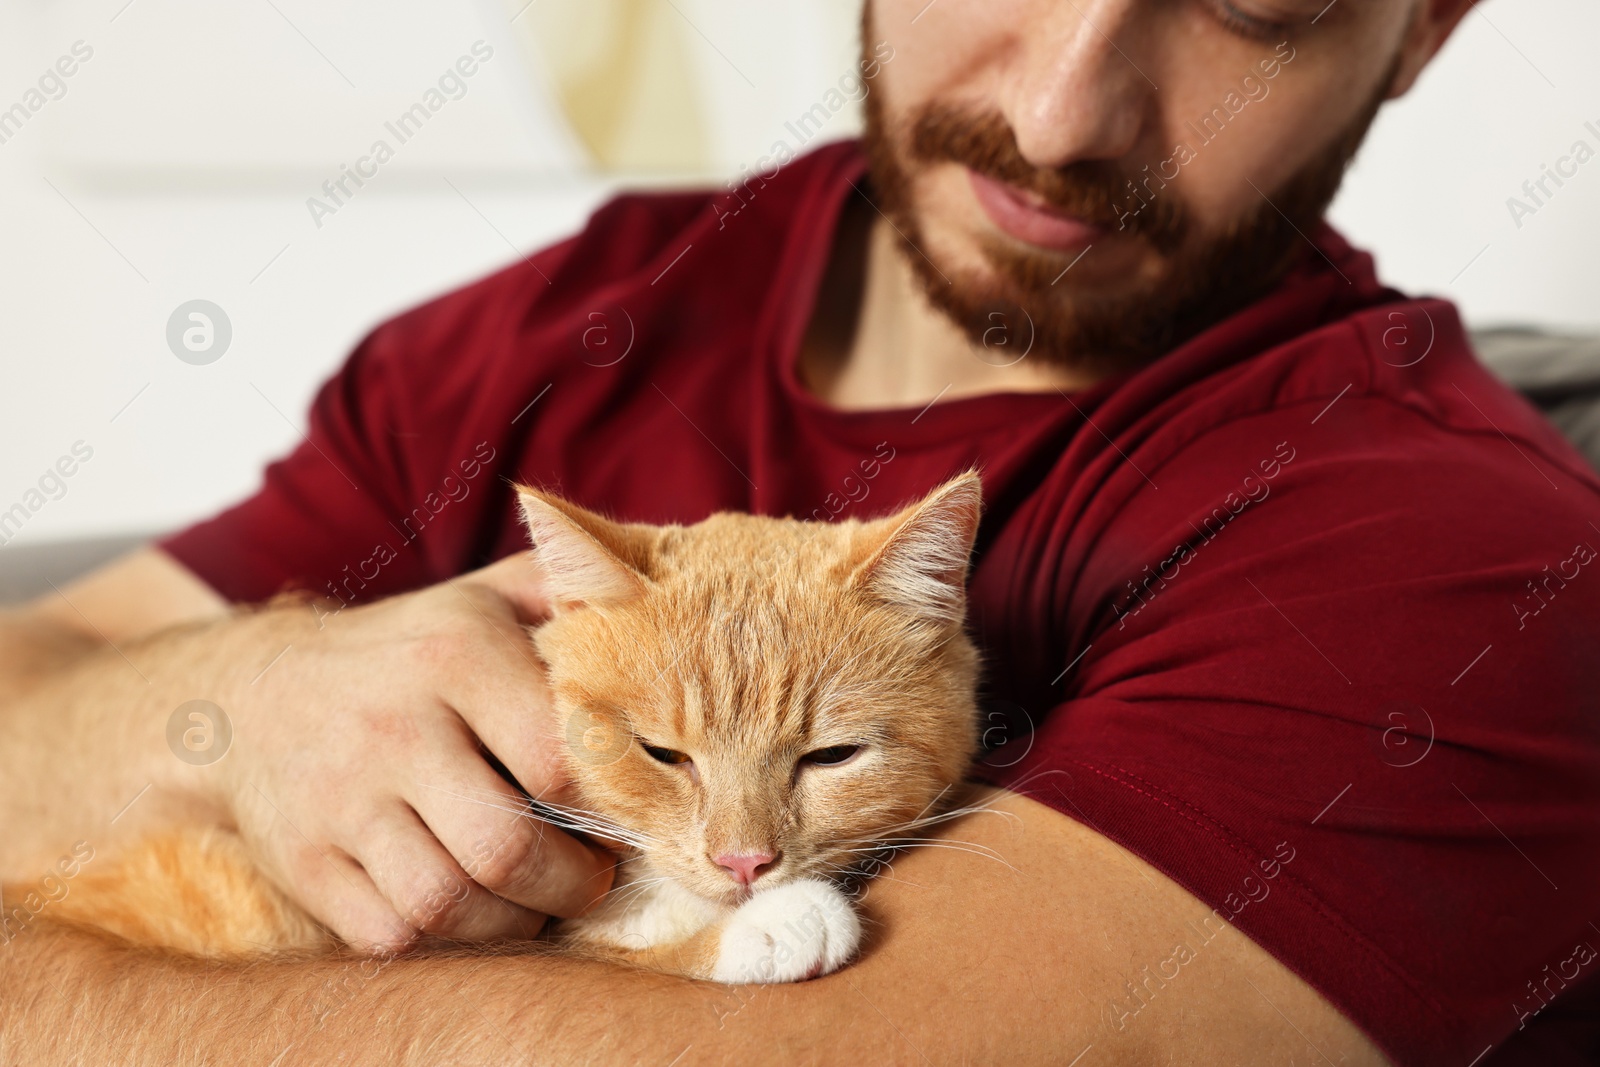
x=353 y=770
x=71 y=754
x=1011 y=947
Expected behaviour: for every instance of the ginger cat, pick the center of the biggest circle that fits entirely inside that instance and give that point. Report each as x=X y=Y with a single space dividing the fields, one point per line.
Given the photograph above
x=755 y=709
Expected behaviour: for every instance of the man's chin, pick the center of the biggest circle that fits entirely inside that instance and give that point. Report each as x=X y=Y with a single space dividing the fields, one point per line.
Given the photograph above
x=1110 y=262
x=1068 y=310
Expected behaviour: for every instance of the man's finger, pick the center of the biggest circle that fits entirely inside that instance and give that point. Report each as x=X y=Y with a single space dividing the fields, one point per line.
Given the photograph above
x=429 y=889
x=505 y=702
x=339 y=894
x=511 y=854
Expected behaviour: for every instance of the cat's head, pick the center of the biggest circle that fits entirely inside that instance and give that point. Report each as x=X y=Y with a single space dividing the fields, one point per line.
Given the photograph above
x=757 y=700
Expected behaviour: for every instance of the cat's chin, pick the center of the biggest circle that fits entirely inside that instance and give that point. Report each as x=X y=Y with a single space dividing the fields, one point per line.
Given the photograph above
x=730 y=898
x=734 y=896
x=738 y=896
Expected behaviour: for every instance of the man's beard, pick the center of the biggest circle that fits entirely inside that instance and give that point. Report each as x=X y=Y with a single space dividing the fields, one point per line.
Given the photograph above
x=1027 y=297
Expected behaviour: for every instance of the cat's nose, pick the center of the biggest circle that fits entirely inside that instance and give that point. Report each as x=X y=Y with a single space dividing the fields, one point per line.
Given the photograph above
x=745 y=867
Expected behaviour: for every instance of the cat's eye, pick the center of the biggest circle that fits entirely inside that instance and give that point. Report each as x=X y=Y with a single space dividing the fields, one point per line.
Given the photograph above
x=832 y=756
x=665 y=755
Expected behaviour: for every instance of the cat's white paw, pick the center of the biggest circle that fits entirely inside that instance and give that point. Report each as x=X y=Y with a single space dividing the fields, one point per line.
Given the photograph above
x=792 y=932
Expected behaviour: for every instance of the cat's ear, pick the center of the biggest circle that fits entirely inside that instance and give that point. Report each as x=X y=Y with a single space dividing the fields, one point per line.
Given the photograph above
x=917 y=559
x=586 y=558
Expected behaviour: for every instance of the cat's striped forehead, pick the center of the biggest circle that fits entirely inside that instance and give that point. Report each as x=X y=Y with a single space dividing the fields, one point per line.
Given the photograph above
x=725 y=548
x=770 y=660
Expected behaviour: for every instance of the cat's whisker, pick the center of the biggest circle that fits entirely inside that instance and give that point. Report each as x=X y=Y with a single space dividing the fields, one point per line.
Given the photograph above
x=520 y=811
x=918 y=822
x=627 y=894
x=972 y=851
x=895 y=843
x=924 y=821
x=588 y=823
x=587 y=820
x=886 y=874
x=559 y=816
x=959 y=846
x=637 y=882
x=929 y=806
x=635 y=888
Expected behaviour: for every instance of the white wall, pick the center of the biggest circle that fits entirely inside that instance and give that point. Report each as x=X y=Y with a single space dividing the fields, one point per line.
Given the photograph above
x=178 y=164
x=1428 y=192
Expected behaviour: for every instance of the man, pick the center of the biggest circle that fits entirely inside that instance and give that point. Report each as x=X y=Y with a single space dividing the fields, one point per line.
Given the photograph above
x=1285 y=603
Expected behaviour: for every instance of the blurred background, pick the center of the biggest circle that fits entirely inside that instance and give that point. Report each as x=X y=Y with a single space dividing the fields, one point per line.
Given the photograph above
x=183 y=156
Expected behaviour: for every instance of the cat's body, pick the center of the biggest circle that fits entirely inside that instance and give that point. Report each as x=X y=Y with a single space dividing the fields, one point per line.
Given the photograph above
x=752 y=708
x=194 y=891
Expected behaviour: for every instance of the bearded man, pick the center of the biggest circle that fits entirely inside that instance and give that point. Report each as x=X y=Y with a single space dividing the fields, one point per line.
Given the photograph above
x=1282 y=598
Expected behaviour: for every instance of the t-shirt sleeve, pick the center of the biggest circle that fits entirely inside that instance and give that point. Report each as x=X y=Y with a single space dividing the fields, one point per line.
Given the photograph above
x=400 y=478
x=1340 y=685
x=395 y=441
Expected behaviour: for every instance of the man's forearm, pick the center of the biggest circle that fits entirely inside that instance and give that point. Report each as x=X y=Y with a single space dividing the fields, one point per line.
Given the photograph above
x=68 y=990
x=83 y=727
x=60 y=989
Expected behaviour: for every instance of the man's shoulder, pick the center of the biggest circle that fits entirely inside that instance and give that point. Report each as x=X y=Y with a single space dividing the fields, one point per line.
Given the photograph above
x=1396 y=380
x=1373 y=447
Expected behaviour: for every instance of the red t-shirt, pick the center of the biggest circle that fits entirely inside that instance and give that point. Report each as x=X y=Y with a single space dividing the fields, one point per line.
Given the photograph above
x=1305 y=613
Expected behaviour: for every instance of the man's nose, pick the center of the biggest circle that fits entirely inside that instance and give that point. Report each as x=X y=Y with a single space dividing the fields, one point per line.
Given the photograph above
x=1076 y=91
x=745 y=867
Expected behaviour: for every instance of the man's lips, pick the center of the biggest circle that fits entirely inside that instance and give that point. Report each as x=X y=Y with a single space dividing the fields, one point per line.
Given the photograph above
x=1019 y=216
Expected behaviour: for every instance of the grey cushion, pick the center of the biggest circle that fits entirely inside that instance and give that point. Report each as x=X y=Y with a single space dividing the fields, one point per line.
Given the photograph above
x=26 y=571
x=1558 y=372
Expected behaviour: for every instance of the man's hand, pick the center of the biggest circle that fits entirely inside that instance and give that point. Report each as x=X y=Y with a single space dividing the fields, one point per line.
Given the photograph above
x=358 y=774
x=357 y=769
